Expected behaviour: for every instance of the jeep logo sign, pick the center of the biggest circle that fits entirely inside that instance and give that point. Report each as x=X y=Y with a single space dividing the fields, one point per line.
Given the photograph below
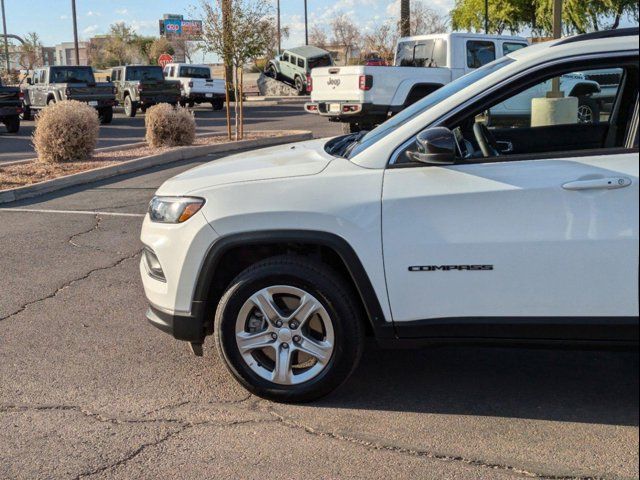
x=333 y=82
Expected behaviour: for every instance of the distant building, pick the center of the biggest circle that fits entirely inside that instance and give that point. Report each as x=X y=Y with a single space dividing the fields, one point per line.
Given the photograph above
x=17 y=60
x=65 y=53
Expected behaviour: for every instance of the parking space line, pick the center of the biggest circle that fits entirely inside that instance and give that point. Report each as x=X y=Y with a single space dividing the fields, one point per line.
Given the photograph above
x=78 y=212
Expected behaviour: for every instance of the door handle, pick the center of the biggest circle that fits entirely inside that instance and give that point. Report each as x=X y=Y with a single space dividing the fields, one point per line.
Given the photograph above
x=608 y=183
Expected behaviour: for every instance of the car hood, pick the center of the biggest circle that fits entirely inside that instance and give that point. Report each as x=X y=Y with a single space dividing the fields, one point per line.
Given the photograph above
x=291 y=160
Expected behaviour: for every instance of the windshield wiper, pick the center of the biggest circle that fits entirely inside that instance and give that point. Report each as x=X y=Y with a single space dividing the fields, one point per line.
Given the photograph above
x=340 y=147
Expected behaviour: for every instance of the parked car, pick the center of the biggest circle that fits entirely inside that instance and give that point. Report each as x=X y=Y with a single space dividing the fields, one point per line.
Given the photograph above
x=10 y=107
x=376 y=62
x=196 y=84
x=422 y=231
x=54 y=84
x=142 y=86
x=362 y=97
x=294 y=66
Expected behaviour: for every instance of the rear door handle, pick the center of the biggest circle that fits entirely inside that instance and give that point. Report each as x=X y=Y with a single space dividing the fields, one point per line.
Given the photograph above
x=608 y=183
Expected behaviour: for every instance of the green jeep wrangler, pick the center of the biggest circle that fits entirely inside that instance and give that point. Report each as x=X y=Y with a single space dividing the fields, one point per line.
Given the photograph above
x=294 y=66
x=141 y=86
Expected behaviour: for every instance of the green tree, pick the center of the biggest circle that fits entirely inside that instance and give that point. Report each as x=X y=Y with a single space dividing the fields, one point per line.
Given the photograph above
x=120 y=47
x=579 y=16
x=158 y=47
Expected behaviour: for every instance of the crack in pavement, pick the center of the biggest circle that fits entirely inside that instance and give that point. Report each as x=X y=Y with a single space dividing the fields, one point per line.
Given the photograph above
x=75 y=235
x=372 y=446
x=65 y=285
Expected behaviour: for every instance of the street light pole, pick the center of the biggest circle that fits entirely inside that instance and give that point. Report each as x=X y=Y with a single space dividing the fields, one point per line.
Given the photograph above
x=75 y=31
x=306 y=25
x=278 y=27
x=6 y=39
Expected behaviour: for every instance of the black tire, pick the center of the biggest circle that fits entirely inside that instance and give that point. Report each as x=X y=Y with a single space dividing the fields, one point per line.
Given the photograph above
x=217 y=104
x=300 y=86
x=105 y=115
x=26 y=113
x=12 y=124
x=329 y=289
x=192 y=104
x=271 y=71
x=130 y=107
x=182 y=103
x=588 y=111
x=51 y=101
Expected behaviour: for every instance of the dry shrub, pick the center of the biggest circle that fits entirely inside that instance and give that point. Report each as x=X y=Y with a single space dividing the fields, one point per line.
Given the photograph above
x=66 y=131
x=169 y=126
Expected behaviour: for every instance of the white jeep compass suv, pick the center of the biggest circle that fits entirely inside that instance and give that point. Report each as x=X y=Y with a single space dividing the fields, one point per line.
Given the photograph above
x=438 y=225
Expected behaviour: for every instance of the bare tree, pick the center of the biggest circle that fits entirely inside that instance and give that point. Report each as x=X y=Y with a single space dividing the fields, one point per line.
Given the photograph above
x=345 y=34
x=31 y=52
x=318 y=37
x=426 y=20
x=237 y=32
x=382 y=41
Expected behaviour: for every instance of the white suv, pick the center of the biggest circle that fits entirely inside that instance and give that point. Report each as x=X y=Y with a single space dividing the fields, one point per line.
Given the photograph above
x=434 y=227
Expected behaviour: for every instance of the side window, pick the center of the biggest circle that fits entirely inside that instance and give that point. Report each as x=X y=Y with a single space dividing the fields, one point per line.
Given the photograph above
x=404 y=54
x=172 y=72
x=423 y=53
x=440 y=53
x=301 y=62
x=508 y=47
x=480 y=53
x=293 y=59
x=285 y=58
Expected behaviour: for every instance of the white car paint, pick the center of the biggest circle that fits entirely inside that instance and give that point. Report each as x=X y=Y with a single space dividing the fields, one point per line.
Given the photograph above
x=210 y=88
x=555 y=252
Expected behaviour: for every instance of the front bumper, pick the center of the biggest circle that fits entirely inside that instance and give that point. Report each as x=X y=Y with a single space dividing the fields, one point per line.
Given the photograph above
x=180 y=250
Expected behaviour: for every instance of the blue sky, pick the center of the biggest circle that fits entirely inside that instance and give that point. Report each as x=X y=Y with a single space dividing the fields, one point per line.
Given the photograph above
x=52 y=18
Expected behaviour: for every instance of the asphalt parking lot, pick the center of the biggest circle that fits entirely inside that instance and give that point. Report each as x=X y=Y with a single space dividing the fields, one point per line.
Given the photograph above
x=89 y=390
x=127 y=130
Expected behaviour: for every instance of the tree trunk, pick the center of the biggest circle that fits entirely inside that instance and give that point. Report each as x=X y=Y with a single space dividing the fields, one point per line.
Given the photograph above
x=405 y=18
x=241 y=100
x=236 y=117
x=228 y=109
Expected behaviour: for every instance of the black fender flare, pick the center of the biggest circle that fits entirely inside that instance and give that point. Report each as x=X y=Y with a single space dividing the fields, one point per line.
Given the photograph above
x=381 y=327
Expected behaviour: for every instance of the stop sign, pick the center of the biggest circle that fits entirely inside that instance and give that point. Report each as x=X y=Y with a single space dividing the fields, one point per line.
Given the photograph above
x=164 y=59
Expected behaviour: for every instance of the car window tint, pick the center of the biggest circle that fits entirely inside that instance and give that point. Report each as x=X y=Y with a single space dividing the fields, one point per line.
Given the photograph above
x=285 y=57
x=509 y=47
x=195 y=72
x=324 y=61
x=149 y=73
x=480 y=53
x=423 y=53
x=301 y=62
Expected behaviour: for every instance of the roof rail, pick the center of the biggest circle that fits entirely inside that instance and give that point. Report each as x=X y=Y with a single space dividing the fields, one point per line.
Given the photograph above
x=618 y=32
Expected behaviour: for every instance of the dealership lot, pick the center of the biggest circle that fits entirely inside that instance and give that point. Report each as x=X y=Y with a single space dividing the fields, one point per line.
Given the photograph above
x=127 y=130
x=89 y=389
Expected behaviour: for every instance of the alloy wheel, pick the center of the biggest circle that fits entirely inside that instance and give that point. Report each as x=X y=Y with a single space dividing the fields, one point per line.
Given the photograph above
x=284 y=335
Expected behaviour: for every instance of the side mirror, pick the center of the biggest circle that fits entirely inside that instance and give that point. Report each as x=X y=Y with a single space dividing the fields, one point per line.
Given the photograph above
x=108 y=79
x=435 y=146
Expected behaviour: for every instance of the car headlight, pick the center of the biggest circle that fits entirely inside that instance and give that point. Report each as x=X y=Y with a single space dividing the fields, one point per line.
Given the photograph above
x=174 y=209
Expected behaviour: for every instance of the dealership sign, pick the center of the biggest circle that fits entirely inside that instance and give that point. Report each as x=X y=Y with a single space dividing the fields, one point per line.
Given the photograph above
x=177 y=27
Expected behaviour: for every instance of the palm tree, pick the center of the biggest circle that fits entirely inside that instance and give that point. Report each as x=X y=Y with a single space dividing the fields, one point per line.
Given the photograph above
x=405 y=18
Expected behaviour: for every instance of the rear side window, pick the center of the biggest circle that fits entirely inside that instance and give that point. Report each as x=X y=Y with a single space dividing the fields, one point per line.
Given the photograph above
x=480 y=53
x=508 y=47
x=301 y=62
x=285 y=57
x=440 y=53
x=195 y=72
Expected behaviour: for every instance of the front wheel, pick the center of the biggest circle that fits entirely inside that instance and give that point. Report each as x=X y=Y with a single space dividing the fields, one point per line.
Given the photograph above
x=288 y=330
x=300 y=86
x=105 y=115
x=12 y=124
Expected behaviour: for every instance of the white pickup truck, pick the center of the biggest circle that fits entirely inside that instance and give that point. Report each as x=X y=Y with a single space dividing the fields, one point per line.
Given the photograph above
x=364 y=96
x=196 y=84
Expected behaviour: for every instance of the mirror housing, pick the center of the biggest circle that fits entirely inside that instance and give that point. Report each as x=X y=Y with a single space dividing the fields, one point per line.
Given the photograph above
x=436 y=146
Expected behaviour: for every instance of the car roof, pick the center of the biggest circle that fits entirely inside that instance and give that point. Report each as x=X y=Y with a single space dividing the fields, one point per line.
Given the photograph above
x=307 y=51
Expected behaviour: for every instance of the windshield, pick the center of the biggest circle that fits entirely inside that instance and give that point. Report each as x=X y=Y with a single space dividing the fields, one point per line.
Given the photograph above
x=144 y=73
x=72 y=75
x=426 y=103
x=195 y=72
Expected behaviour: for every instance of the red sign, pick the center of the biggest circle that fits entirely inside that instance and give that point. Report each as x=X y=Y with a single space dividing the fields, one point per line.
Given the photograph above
x=164 y=59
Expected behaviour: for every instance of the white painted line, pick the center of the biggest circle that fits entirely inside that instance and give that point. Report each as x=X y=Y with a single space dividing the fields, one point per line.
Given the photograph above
x=78 y=212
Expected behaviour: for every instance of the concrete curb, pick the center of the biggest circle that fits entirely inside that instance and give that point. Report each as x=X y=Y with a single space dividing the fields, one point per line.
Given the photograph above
x=175 y=155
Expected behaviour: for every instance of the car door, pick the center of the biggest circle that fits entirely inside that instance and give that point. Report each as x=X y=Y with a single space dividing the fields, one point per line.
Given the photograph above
x=554 y=235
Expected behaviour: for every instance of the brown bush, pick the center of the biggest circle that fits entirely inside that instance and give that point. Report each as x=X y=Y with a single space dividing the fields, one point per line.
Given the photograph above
x=66 y=131
x=169 y=126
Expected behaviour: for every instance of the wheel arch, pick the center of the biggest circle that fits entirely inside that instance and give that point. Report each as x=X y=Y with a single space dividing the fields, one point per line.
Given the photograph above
x=231 y=254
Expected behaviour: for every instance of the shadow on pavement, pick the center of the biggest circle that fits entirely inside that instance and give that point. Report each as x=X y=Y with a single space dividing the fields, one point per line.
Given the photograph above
x=562 y=385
